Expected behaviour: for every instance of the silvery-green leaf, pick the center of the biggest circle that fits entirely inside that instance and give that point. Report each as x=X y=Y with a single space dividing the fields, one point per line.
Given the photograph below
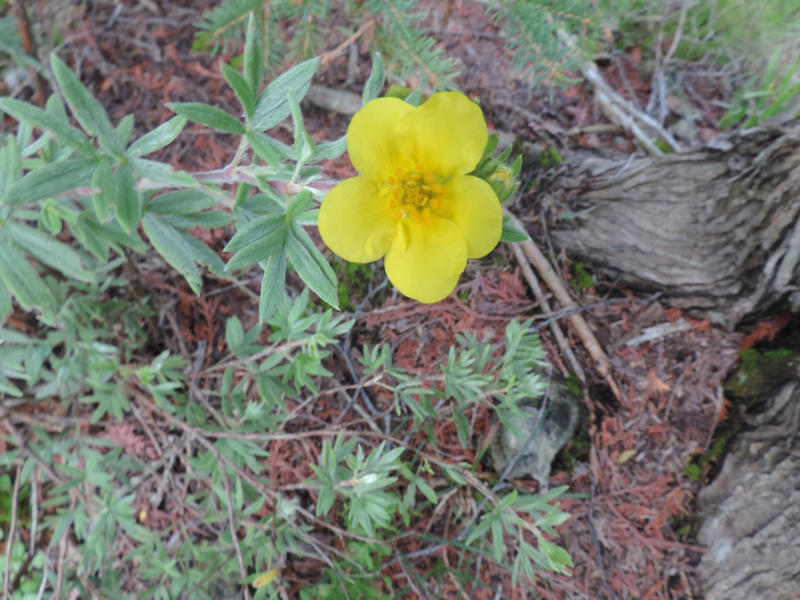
x=49 y=180
x=50 y=251
x=376 y=78
x=239 y=86
x=273 y=105
x=127 y=206
x=176 y=251
x=208 y=115
x=22 y=280
x=60 y=128
x=158 y=138
x=272 y=286
x=87 y=110
x=161 y=173
x=311 y=266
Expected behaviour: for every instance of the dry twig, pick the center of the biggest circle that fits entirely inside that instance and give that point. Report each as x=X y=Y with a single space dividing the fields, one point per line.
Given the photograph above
x=553 y=281
x=621 y=111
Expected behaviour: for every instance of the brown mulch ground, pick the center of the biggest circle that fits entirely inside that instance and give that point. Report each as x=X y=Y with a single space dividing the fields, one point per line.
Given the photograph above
x=623 y=535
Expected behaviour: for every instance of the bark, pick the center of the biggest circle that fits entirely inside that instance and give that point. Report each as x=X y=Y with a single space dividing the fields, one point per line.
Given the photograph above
x=717 y=229
x=751 y=511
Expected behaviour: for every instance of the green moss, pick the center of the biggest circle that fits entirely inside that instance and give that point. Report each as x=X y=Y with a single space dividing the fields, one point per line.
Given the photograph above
x=693 y=470
x=760 y=373
x=549 y=157
x=353 y=282
x=578 y=448
x=581 y=278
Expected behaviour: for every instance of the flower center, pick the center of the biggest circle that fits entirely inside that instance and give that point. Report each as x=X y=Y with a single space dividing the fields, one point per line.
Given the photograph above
x=415 y=193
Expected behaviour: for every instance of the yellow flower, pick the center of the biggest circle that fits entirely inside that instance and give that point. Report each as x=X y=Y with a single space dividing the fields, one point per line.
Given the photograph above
x=413 y=201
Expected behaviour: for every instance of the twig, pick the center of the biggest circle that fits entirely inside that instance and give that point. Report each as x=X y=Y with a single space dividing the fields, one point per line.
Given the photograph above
x=23 y=445
x=327 y=57
x=596 y=543
x=678 y=32
x=9 y=538
x=561 y=339
x=234 y=535
x=257 y=356
x=620 y=110
x=62 y=554
x=546 y=272
x=29 y=46
x=199 y=436
x=34 y=509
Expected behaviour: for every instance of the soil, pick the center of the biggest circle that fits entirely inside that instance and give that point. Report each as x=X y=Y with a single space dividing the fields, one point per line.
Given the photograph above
x=632 y=526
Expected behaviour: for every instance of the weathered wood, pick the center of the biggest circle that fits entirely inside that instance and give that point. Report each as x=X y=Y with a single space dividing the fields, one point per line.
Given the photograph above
x=751 y=511
x=717 y=229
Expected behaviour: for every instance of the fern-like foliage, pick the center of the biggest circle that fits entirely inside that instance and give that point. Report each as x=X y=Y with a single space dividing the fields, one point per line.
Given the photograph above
x=532 y=35
x=309 y=18
x=410 y=51
x=224 y=25
x=293 y=30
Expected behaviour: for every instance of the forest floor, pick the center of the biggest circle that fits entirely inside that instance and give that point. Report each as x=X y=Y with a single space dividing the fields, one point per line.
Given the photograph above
x=633 y=516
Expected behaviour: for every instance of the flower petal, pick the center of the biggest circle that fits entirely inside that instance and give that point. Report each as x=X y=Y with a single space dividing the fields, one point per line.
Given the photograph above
x=355 y=222
x=372 y=136
x=446 y=134
x=425 y=260
x=471 y=204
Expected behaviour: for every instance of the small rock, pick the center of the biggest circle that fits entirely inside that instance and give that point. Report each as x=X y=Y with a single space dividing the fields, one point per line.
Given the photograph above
x=536 y=446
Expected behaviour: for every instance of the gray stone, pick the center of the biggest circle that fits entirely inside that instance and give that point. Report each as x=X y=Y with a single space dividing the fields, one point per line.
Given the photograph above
x=536 y=443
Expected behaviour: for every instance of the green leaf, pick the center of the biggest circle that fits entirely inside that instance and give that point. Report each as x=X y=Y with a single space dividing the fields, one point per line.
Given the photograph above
x=462 y=427
x=204 y=255
x=273 y=105
x=127 y=206
x=124 y=129
x=329 y=150
x=271 y=242
x=208 y=115
x=254 y=51
x=104 y=198
x=303 y=144
x=498 y=547
x=10 y=164
x=207 y=220
x=182 y=202
x=427 y=491
x=272 y=286
x=22 y=280
x=558 y=558
x=50 y=179
x=259 y=142
x=253 y=230
x=376 y=78
x=239 y=87
x=87 y=110
x=111 y=233
x=48 y=250
x=176 y=251
x=512 y=234
x=158 y=138
x=5 y=304
x=311 y=266
x=50 y=217
x=234 y=333
x=161 y=173
x=298 y=203
x=36 y=117
x=414 y=98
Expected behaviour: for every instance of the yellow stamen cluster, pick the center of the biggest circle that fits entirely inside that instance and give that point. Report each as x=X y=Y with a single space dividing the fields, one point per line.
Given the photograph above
x=415 y=193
